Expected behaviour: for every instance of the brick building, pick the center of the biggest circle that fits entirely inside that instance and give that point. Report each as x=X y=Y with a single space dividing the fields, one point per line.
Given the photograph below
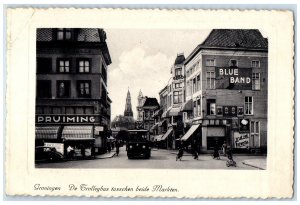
x=226 y=89
x=72 y=103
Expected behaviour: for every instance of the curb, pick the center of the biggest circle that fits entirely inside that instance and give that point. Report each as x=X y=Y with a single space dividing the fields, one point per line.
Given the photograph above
x=250 y=165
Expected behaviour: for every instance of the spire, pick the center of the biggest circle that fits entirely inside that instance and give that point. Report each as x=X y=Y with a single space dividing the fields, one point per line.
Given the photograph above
x=128 y=110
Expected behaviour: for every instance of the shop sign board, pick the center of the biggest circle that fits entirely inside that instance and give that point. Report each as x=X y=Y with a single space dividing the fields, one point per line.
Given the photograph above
x=241 y=140
x=67 y=119
x=58 y=146
x=234 y=78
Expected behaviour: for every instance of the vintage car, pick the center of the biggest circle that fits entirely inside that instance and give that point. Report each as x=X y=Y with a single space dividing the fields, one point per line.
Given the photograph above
x=137 y=144
x=47 y=154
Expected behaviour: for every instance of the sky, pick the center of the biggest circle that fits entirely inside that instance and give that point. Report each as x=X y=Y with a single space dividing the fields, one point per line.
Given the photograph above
x=142 y=60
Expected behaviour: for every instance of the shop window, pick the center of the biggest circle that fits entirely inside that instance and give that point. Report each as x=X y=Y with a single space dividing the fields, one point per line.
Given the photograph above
x=63 y=88
x=177 y=97
x=63 y=66
x=233 y=63
x=43 y=65
x=255 y=81
x=84 y=66
x=210 y=62
x=43 y=89
x=255 y=64
x=84 y=88
x=210 y=80
x=248 y=105
x=211 y=107
x=255 y=134
x=64 y=34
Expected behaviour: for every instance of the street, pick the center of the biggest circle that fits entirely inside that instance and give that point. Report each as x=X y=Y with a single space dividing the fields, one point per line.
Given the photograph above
x=160 y=159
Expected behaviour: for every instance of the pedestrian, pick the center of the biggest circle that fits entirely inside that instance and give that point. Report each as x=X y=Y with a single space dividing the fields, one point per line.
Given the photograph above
x=230 y=161
x=195 y=149
x=180 y=152
x=108 y=147
x=216 y=154
x=224 y=148
x=117 y=147
x=70 y=152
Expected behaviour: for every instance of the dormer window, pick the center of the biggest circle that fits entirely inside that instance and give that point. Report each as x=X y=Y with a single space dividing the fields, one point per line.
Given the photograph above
x=63 y=34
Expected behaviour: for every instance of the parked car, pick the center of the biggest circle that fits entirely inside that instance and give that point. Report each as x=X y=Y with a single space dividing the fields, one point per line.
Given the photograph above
x=47 y=154
x=137 y=145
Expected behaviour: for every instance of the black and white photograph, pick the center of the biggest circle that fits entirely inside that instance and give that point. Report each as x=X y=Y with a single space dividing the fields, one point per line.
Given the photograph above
x=151 y=99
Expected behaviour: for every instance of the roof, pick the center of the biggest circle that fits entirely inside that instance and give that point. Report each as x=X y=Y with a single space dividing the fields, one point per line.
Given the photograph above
x=244 y=38
x=179 y=59
x=233 y=39
x=151 y=102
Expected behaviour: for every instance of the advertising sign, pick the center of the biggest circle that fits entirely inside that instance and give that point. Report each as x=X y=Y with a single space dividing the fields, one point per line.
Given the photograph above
x=234 y=78
x=67 y=119
x=241 y=140
x=230 y=111
x=244 y=125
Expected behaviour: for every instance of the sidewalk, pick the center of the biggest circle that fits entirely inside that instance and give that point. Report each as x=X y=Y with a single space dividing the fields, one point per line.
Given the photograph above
x=106 y=155
x=256 y=163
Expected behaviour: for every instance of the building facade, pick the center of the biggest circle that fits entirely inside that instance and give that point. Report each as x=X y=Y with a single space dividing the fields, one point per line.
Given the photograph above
x=226 y=89
x=72 y=102
x=149 y=107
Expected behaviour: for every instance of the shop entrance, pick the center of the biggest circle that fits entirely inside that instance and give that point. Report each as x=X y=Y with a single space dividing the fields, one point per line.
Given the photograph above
x=213 y=141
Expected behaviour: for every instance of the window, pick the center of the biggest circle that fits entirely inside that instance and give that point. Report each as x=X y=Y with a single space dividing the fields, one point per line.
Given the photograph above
x=233 y=63
x=255 y=81
x=210 y=80
x=255 y=64
x=210 y=62
x=195 y=108
x=84 y=66
x=63 y=88
x=178 y=72
x=177 y=97
x=199 y=107
x=194 y=85
x=43 y=89
x=63 y=66
x=255 y=134
x=84 y=88
x=198 y=82
x=44 y=65
x=63 y=34
x=211 y=106
x=248 y=105
x=177 y=85
x=188 y=73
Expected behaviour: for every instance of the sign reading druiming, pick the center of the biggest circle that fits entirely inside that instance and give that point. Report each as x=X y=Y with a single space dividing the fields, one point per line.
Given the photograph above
x=234 y=78
x=66 y=119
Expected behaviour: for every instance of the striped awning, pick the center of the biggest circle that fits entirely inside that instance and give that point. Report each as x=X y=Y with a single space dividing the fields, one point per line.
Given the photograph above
x=190 y=132
x=155 y=126
x=174 y=112
x=46 y=132
x=167 y=134
x=78 y=133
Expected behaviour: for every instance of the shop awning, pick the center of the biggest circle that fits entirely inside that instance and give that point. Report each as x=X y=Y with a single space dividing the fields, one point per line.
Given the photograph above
x=174 y=112
x=157 y=138
x=46 y=132
x=78 y=133
x=215 y=131
x=164 y=115
x=187 y=106
x=190 y=132
x=167 y=134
